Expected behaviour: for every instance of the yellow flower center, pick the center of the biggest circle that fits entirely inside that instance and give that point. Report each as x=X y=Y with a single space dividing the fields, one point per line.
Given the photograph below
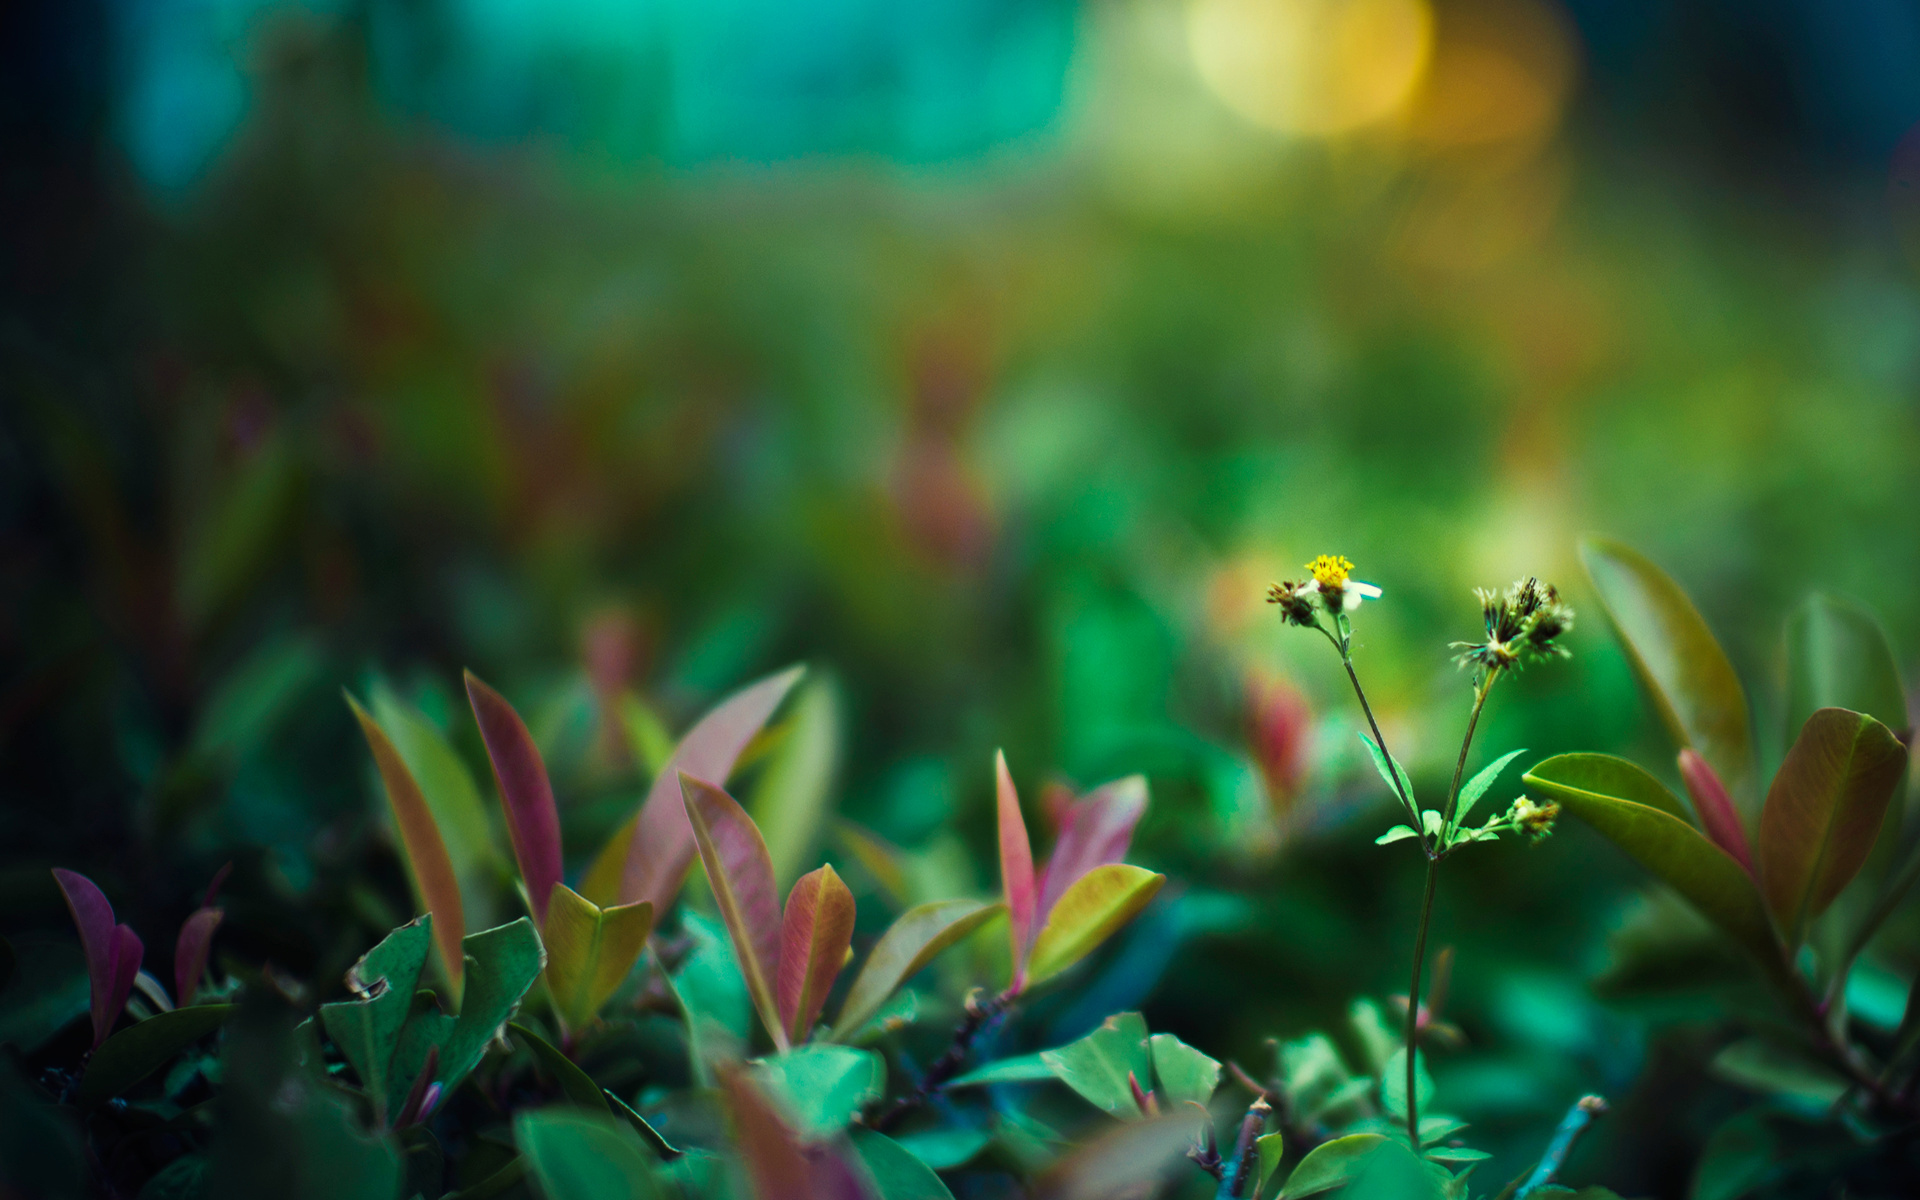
x=1330 y=571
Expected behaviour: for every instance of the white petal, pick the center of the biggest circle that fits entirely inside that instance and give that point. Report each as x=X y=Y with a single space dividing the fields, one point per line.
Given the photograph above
x=1365 y=589
x=1311 y=585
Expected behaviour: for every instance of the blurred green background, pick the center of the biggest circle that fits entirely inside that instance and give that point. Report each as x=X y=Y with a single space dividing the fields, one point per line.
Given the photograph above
x=989 y=356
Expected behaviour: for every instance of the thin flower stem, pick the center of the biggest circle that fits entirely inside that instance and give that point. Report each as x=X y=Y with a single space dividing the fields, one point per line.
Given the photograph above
x=1406 y=801
x=1480 y=695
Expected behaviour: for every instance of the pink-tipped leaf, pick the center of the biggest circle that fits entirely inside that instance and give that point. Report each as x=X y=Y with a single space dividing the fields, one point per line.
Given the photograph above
x=648 y=857
x=532 y=820
x=815 y=934
x=1016 y=869
x=1718 y=817
x=741 y=873
x=113 y=952
x=1094 y=831
x=191 y=951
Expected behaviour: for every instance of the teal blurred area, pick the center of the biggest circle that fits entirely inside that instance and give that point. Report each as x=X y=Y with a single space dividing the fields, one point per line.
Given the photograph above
x=990 y=356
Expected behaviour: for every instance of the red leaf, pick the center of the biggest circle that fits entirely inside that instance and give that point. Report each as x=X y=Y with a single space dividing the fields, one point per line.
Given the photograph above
x=741 y=874
x=190 y=953
x=659 y=843
x=532 y=820
x=106 y=946
x=1016 y=869
x=780 y=1166
x=1718 y=817
x=814 y=937
x=1094 y=831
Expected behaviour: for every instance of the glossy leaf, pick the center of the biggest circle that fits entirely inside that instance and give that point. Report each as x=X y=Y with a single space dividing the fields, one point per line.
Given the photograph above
x=367 y=1030
x=1715 y=808
x=576 y=1155
x=896 y=1172
x=190 y=952
x=1094 y=830
x=589 y=951
x=648 y=858
x=502 y=964
x=533 y=823
x=1478 y=785
x=815 y=934
x=1838 y=656
x=643 y=1127
x=742 y=879
x=1016 y=869
x=1185 y=1074
x=790 y=798
x=908 y=945
x=575 y=1084
x=1663 y=842
x=466 y=828
x=821 y=1086
x=1104 y=899
x=1824 y=811
x=1331 y=1164
x=431 y=870
x=1694 y=687
x=1269 y=1150
x=1099 y=1065
x=139 y=1050
x=113 y=952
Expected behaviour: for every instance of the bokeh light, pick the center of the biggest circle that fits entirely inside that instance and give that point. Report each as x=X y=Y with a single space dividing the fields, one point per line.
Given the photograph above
x=1311 y=67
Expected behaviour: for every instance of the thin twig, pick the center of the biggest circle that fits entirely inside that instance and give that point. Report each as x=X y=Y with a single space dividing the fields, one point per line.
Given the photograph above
x=1578 y=1119
x=1243 y=1149
x=947 y=1065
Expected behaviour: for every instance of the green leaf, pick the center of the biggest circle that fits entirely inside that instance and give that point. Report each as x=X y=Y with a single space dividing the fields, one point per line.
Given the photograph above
x=1478 y=785
x=1710 y=879
x=1270 y=1150
x=1737 y=1158
x=1823 y=812
x=945 y=1149
x=1838 y=656
x=1456 y=1154
x=896 y=1172
x=590 y=950
x=1019 y=1068
x=1331 y=1164
x=790 y=798
x=712 y=995
x=502 y=964
x=368 y=1030
x=1098 y=904
x=1772 y=1070
x=575 y=1084
x=821 y=1086
x=1097 y=1066
x=1694 y=687
x=139 y=1050
x=1387 y=775
x=1184 y=1073
x=1394 y=1172
x=1398 y=833
x=1393 y=1083
x=575 y=1155
x=908 y=945
x=641 y=1126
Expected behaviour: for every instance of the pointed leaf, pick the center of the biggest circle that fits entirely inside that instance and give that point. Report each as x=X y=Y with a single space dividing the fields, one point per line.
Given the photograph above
x=427 y=863
x=1393 y=1083
x=1710 y=879
x=648 y=858
x=368 y=1030
x=1016 y=868
x=1478 y=785
x=1094 y=831
x=1838 y=657
x=641 y=1126
x=448 y=786
x=742 y=879
x=1693 y=685
x=1099 y=1065
x=191 y=951
x=903 y=950
x=821 y=1086
x=778 y=1165
x=1331 y=1164
x=1715 y=808
x=105 y=947
x=790 y=798
x=1093 y=909
x=501 y=965
x=1020 y=1068
x=897 y=1173
x=576 y=1085
x=1270 y=1150
x=532 y=821
x=1823 y=812
x=1399 y=833
x=589 y=951
x=1185 y=1074
x=143 y=1048
x=1388 y=774
x=575 y=1155
x=815 y=935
